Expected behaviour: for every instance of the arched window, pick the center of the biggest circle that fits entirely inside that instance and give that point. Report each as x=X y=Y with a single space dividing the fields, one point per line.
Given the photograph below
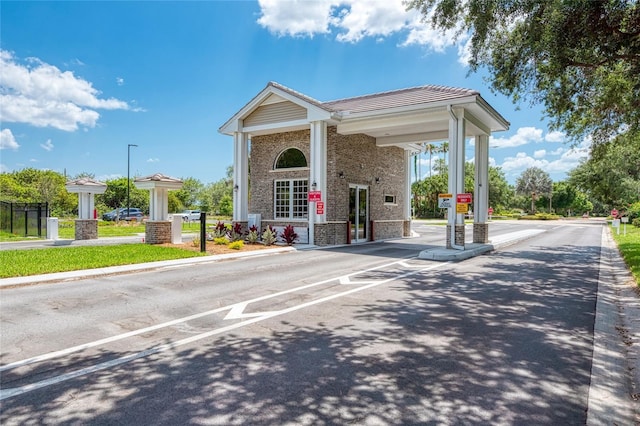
x=291 y=158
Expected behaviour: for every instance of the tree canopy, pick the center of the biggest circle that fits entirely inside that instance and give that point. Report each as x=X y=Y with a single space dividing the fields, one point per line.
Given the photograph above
x=579 y=58
x=535 y=182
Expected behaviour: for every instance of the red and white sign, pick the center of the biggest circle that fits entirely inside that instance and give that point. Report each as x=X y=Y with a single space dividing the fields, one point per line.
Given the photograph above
x=614 y=213
x=314 y=196
x=490 y=210
x=319 y=207
x=465 y=198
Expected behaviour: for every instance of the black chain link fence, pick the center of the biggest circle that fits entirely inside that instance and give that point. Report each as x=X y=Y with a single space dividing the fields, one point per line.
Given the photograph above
x=24 y=219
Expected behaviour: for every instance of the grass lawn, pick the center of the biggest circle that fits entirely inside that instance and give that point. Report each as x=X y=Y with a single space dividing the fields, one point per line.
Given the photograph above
x=629 y=246
x=18 y=263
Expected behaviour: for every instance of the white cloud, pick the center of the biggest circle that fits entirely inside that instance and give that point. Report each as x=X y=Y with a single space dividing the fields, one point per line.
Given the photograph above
x=523 y=136
x=567 y=161
x=4 y=168
x=297 y=17
x=42 y=95
x=33 y=160
x=557 y=151
x=554 y=136
x=153 y=160
x=540 y=153
x=104 y=178
x=120 y=81
x=47 y=146
x=7 y=140
x=353 y=20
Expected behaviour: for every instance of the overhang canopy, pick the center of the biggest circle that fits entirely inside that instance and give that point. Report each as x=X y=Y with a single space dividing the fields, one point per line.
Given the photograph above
x=402 y=118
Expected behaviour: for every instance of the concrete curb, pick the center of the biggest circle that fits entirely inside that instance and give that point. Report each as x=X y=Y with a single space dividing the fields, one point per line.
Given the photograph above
x=114 y=270
x=616 y=350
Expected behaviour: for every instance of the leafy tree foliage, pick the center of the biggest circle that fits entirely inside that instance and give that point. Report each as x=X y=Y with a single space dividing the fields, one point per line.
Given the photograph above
x=611 y=175
x=116 y=195
x=534 y=182
x=38 y=186
x=579 y=58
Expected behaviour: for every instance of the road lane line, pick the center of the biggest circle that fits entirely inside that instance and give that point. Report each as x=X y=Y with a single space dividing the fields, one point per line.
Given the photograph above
x=11 y=392
x=132 y=333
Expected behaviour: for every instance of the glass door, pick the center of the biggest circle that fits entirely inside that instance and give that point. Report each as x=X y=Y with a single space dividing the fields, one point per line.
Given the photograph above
x=358 y=213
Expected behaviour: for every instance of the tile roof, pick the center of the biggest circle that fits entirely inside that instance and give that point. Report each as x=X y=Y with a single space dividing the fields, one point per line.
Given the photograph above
x=399 y=98
x=385 y=100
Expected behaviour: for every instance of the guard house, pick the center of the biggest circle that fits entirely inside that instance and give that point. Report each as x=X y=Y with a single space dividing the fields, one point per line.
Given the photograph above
x=340 y=171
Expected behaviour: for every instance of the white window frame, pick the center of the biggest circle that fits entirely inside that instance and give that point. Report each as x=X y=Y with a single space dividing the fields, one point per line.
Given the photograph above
x=291 y=202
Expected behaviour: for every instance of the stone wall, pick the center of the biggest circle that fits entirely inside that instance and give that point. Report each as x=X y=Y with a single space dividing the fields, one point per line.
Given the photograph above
x=459 y=236
x=481 y=233
x=86 y=229
x=157 y=232
x=385 y=229
x=356 y=158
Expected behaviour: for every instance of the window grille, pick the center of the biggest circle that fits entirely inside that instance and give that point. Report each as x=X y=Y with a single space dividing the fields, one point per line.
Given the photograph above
x=291 y=199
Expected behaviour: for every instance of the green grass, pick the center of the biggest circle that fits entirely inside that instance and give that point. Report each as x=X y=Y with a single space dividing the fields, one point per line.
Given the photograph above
x=66 y=229
x=18 y=263
x=629 y=246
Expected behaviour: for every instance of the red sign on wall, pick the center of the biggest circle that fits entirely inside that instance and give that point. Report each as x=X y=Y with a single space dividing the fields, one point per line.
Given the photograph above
x=319 y=207
x=314 y=196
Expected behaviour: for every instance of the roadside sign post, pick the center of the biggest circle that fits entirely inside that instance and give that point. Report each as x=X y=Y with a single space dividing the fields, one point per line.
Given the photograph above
x=614 y=213
x=616 y=224
x=624 y=220
x=490 y=212
x=444 y=201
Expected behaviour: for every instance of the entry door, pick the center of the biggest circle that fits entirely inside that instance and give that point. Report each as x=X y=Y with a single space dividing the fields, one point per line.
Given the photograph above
x=359 y=212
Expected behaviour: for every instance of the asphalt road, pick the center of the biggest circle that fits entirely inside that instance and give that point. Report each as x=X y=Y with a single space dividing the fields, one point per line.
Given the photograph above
x=353 y=335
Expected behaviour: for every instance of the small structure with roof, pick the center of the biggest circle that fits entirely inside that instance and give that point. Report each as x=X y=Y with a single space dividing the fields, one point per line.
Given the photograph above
x=341 y=170
x=158 y=227
x=86 y=226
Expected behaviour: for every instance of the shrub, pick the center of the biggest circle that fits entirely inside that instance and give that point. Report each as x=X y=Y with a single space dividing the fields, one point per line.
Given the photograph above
x=236 y=245
x=269 y=236
x=289 y=235
x=221 y=241
x=235 y=233
x=195 y=242
x=636 y=222
x=253 y=236
x=220 y=230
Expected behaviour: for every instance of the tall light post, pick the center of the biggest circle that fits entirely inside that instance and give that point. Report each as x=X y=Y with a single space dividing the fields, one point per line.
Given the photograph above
x=128 y=172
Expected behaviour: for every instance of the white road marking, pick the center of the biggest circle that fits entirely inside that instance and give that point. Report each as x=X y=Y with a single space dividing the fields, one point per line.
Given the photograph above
x=11 y=392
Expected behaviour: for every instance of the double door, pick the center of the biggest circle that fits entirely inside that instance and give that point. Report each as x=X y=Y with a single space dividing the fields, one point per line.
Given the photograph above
x=359 y=213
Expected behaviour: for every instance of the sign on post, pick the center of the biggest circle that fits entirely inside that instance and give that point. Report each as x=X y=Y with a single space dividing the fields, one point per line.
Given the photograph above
x=319 y=207
x=444 y=201
x=614 y=213
x=462 y=207
x=465 y=198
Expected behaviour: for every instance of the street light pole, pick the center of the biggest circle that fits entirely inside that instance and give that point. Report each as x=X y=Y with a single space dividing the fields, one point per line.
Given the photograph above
x=128 y=172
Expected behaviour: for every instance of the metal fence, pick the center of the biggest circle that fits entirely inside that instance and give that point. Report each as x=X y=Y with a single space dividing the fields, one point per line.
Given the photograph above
x=24 y=219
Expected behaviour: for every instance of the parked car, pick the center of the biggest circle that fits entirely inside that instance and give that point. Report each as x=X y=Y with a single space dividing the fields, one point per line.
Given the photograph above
x=112 y=215
x=190 y=215
x=123 y=214
x=131 y=214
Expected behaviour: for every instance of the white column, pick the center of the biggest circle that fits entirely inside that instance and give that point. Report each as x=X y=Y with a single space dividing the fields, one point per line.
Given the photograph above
x=481 y=193
x=456 y=168
x=407 y=185
x=85 y=205
x=240 y=176
x=317 y=172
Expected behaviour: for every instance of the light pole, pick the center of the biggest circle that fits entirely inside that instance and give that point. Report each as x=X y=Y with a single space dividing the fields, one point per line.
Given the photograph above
x=128 y=179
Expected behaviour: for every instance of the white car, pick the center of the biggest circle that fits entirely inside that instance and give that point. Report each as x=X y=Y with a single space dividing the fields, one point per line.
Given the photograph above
x=189 y=215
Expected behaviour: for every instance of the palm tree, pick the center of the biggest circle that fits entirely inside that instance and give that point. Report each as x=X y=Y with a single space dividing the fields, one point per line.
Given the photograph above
x=534 y=181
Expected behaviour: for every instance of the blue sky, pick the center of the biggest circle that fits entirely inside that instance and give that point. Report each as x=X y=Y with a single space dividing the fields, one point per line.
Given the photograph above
x=81 y=80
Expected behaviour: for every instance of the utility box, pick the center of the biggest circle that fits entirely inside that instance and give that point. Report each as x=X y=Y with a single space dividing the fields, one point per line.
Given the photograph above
x=52 y=228
x=176 y=229
x=254 y=219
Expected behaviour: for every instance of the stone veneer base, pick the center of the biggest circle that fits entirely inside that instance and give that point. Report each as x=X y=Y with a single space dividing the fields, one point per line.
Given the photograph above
x=157 y=232
x=86 y=229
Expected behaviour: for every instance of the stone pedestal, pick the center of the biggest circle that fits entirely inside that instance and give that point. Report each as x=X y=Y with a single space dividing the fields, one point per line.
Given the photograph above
x=481 y=233
x=157 y=232
x=406 y=228
x=459 y=238
x=86 y=229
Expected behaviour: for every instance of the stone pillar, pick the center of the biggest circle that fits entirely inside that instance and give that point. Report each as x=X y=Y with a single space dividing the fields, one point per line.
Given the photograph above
x=459 y=236
x=157 y=232
x=86 y=229
x=481 y=233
